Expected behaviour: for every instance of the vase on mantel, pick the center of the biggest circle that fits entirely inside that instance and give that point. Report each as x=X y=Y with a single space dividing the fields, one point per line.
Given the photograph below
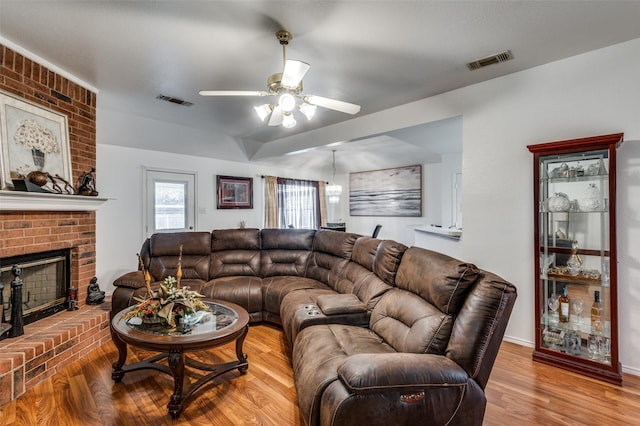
x=38 y=158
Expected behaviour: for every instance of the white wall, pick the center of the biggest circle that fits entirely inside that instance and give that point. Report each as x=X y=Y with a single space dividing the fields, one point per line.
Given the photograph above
x=591 y=94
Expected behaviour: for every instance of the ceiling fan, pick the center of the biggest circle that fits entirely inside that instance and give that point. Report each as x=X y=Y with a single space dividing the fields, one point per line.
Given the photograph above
x=287 y=87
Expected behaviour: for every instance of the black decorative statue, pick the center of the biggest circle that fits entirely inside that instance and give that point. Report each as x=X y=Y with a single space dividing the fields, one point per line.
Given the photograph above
x=95 y=296
x=17 y=322
x=88 y=184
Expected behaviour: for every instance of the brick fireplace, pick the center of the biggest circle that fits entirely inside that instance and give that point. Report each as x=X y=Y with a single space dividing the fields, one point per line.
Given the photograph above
x=27 y=360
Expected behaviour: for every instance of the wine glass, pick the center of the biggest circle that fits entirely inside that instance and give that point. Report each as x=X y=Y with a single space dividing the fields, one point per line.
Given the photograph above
x=593 y=346
x=553 y=302
x=578 y=305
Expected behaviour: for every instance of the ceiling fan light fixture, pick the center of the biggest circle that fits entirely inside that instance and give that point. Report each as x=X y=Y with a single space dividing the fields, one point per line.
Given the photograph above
x=287 y=102
x=308 y=110
x=263 y=111
x=288 y=120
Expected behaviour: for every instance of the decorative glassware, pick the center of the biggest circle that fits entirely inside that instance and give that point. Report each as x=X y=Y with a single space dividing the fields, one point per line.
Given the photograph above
x=578 y=306
x=554 y=303
x=574 y=263
x=593 y=346
x=559 y=202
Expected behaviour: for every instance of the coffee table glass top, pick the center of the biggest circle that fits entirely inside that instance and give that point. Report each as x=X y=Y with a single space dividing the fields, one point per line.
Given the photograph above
x=217 y=318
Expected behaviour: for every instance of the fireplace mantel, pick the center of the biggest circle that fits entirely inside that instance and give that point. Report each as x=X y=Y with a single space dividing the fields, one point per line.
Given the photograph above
x=37 y=201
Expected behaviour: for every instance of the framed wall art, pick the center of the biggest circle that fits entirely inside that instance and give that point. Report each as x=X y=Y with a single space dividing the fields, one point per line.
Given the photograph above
x=234 y=192
x=387 y=192
x=32 y=138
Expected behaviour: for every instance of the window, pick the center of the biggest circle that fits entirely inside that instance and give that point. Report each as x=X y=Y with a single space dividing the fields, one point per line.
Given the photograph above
x=298 y=204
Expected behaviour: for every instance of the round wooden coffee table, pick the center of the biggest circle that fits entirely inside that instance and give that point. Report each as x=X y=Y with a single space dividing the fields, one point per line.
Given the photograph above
x=228 y=323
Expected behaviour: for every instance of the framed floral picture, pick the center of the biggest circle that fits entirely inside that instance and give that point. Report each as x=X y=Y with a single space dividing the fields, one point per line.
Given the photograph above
x=234 y=192
x=32 y=138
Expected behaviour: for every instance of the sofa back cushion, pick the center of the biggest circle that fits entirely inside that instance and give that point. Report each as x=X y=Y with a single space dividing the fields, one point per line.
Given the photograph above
x=285 y=251
x=439 y=279
x=164 y=252
x=235 y=252
x=418 y=315
x=387 y=260
x=358 y=277
x=331 y=252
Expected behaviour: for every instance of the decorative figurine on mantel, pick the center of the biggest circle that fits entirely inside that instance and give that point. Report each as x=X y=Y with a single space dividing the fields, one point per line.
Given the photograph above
x=88 y=184
x=95 y=296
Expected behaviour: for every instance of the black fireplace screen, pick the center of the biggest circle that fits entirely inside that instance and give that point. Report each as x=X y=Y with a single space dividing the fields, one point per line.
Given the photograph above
x=45 y=278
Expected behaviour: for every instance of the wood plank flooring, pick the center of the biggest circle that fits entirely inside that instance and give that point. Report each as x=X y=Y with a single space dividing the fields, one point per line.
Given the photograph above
x=519 y=392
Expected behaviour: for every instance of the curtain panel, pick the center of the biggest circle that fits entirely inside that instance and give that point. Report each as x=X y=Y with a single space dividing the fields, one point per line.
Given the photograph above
x=271 y=202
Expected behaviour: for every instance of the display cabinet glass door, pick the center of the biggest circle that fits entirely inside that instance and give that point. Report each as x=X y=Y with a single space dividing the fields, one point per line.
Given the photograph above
x=576 y=310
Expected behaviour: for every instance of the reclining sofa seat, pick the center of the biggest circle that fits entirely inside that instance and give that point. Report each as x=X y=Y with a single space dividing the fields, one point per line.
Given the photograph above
x=160 y=255
x=427 y=353
x=356 y=288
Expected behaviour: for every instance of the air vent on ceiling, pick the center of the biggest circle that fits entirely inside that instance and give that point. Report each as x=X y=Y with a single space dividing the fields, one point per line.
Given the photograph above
x=490 y=60
x=174 y=100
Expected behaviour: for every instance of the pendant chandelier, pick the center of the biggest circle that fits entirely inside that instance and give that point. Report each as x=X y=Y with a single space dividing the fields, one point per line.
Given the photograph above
x=333 y=190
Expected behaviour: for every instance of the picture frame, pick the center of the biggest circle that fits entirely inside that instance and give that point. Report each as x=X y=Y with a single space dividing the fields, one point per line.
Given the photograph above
x=386 y=192
x=234 y=192
x=32 y=138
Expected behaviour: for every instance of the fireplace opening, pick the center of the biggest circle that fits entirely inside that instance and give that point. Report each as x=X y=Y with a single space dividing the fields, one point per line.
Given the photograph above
x=46 y=278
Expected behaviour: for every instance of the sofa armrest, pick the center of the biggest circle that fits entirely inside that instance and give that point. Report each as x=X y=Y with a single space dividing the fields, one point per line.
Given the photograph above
x=336 y=304
x=365 y=374
x=133 y=279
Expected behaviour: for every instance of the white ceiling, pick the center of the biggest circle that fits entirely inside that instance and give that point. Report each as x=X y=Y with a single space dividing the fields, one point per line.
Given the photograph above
x=379 y=54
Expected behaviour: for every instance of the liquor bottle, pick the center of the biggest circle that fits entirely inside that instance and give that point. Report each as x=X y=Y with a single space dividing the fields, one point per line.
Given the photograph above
x=596 y=313
x=564 y=306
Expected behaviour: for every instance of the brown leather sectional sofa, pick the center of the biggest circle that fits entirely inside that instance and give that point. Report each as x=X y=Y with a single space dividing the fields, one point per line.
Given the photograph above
x=380 y=334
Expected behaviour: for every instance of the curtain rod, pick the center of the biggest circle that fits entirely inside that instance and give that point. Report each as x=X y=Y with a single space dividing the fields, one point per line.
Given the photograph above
x=263 y=176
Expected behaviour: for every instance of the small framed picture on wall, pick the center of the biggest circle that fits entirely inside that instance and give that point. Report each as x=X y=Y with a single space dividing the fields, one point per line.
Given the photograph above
x=234 y=192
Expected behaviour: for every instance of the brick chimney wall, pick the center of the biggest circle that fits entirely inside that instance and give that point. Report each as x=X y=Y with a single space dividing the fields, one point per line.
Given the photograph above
x=35 y=231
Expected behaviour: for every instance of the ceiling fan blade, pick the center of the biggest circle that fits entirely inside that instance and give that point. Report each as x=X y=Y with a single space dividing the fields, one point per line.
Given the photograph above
x=276 y=116
x=293 y=72
x=232 y=93
x=341 y=106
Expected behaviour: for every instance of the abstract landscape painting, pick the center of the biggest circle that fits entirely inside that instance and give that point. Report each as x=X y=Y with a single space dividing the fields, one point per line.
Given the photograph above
x=387 y=192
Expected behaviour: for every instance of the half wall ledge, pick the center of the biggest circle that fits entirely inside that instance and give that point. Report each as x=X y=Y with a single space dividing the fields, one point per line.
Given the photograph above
x=37 y=201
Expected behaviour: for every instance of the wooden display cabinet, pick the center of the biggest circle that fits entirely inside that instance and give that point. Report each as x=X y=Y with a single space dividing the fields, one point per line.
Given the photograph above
x=575 y=251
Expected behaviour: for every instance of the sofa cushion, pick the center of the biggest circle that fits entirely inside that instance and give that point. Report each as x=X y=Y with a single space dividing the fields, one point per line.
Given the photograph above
x=275 y=288
x=165 y=249
x=235 y=239
x=299 y=310
x=285 y=252
x=235 y=252
x=364 y=251
x=411 y=324
x=436 y=277
x=245 y=291
x=387 y=260
x=334 y=304
x=331 y=252
x=317 y=354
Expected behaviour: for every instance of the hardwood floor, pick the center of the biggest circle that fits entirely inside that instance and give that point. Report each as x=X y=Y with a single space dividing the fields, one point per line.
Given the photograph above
x=519 y=392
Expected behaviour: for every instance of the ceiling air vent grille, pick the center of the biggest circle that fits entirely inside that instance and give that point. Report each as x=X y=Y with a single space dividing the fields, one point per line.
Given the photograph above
x=174 y=100
x=490 y=60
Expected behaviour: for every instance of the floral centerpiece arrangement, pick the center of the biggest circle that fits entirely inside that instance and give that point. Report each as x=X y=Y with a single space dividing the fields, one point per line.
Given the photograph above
x=170 y=301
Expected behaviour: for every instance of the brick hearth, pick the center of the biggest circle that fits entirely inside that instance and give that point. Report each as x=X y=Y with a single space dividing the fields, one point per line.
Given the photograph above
x=48 y=346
